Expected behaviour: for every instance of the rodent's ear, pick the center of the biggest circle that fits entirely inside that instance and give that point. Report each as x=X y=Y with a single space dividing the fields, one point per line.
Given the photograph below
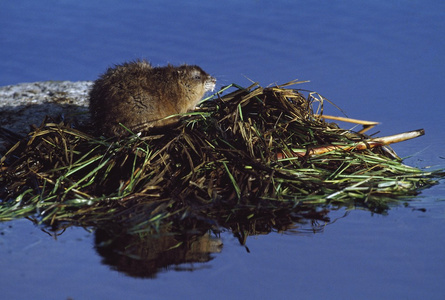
x=181 y=72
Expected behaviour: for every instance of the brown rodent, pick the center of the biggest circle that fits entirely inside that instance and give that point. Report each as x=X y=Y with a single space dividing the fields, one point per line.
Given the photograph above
x=139 y=96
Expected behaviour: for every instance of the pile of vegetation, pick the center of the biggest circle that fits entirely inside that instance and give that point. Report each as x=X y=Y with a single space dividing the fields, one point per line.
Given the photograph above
x=250 y=153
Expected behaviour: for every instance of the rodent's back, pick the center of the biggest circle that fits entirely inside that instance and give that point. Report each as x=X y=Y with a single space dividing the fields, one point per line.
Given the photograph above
x=140 y=96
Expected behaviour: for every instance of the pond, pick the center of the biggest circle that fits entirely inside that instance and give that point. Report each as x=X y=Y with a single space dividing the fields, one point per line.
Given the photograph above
x=381 y=61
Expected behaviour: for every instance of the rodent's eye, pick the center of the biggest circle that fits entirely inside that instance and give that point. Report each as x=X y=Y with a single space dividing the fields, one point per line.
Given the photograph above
x=196 y=75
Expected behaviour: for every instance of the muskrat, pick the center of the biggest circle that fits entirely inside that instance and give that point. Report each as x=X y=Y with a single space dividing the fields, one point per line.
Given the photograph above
x=140 y=97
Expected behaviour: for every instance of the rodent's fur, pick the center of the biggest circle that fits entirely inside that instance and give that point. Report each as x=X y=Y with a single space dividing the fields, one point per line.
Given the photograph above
x=139 y=96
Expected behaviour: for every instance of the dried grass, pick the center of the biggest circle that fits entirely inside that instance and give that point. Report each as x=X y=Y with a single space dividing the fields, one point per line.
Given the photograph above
x=233 y=159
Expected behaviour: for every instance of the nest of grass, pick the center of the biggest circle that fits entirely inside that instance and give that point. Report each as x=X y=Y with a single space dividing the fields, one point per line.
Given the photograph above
x=240 y=156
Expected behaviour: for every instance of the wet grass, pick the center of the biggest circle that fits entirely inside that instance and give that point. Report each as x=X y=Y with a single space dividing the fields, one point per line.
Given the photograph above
x=250 y=152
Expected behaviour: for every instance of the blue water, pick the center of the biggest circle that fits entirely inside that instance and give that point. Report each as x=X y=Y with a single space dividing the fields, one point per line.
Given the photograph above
x=380 y=60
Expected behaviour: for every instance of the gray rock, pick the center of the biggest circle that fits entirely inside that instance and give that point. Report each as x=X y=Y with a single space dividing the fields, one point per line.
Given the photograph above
x=26 y=104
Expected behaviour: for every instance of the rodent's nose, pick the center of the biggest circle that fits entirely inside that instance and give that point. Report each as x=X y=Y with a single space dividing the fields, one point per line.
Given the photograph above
x=210 y=84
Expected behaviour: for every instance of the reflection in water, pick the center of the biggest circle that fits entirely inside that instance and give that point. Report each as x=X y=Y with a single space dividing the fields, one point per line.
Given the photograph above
x=144 y=254
x=297 y=221
x=190 y=243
